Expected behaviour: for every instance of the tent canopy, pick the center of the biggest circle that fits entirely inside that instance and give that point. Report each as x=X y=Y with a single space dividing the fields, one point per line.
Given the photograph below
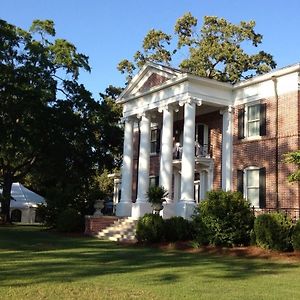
x=23 y=197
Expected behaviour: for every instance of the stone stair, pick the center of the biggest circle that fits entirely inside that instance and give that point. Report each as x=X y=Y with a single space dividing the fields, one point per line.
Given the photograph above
x=122 y=230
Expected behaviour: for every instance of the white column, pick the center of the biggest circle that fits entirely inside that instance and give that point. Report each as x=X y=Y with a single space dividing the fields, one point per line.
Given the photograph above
x=227 y=150
x=185 y=207
x=176 y=186
x=166 y=160
x=142 y=206
x=123 y=208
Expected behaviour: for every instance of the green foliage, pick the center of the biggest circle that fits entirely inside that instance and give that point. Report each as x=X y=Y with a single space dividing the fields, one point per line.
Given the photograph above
x=293 y=158
x=296 y=236
x=224 y=218
x=216 y=50
x=156 y=194
x=70 y=220
x=53 y=134
x=273 y=231
x=150 y=228
x=177 y=229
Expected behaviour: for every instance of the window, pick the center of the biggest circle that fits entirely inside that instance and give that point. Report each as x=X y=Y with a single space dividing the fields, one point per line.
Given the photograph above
x=153 y=180
x=252 y=121
x=253 y=118
x=155 y=140
x=252 y=184
x=252 y=187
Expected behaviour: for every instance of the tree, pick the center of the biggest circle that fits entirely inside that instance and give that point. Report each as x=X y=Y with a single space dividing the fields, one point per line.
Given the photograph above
x=215 y=51
x=41 y=102
x=293 y=158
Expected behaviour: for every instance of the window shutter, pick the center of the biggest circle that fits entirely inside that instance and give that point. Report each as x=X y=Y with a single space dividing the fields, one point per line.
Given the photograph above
x=158 y=140
x=240 y=181
x=262 y=125
x=156 y=180
x=241 y=116
x=262 y=188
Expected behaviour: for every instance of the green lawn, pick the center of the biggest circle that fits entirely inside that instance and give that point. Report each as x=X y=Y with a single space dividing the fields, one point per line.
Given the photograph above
x=36 y=264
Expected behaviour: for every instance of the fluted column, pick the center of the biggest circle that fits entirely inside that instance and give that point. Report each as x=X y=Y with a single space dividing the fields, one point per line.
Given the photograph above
x=123 y=208
x=185 y=207
x=142 y=205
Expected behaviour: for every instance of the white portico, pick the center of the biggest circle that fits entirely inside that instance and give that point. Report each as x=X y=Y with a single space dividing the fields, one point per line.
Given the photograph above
x=178 y=104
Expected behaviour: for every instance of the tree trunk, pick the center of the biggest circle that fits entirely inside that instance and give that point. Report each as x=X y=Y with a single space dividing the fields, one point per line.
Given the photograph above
x=6 y=196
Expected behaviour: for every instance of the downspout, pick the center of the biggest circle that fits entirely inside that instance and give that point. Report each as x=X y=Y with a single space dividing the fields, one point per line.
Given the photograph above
x=274 y=79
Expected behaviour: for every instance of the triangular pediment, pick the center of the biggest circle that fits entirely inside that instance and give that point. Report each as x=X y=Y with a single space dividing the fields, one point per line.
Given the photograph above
x=148 y=78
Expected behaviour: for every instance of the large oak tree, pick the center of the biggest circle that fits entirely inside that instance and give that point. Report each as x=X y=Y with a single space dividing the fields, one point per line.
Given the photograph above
x=216 y=50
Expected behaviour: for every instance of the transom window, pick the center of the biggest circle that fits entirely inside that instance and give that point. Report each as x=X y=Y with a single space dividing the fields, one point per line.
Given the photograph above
x=253 y=123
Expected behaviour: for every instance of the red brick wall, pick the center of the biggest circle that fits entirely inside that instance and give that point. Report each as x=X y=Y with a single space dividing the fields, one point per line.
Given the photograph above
x=153 y=80
x=261 y=153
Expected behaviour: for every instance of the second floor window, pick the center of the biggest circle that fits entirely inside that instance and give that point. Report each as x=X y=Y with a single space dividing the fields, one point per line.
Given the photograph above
x=252 y=121
x=155 y=140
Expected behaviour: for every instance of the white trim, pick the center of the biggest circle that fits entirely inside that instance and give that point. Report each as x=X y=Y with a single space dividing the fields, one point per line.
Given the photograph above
x=246 y=124
x=245 y=184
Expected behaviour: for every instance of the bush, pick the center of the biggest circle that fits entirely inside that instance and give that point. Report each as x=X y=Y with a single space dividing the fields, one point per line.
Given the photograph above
x=273 y=231
x=223 y=219
x=177 y=229
x=296 y=236
x=150 y=228
x=69 y=220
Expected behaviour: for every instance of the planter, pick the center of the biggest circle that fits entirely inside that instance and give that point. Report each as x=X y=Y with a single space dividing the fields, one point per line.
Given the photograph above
x=157 y=207
x=99 y=204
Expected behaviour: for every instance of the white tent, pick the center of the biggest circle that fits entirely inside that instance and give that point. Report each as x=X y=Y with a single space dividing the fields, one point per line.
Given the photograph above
x=24 y=203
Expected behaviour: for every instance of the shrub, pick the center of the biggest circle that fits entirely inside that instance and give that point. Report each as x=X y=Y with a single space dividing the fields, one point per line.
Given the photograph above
x=69 y=220
x=296 y=236
x=150 y=228
x=225 y=218
x=200 y=231
x=273 y=231
x=177 y=229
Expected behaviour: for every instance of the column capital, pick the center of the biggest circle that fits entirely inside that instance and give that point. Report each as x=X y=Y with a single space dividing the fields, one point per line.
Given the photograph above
x=228 y=109
x=168 y=107
x=128 y=119
x=190 y=100
x=144 y=114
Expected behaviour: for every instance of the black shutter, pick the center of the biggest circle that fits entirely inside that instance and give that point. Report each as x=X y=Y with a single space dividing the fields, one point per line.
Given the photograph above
x=158 y=140
x=240 y=181
x=262 y=125
x=241 y=116
x=156 y=180
x=262 y=188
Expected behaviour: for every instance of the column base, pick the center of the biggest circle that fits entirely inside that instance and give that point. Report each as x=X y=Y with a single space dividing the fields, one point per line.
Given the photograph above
x=169 y=210
x=139 y=209
x=123 y=209
x=185 y=209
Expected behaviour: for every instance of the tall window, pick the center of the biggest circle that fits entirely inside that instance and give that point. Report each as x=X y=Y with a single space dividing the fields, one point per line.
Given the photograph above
x=253 y=120
x=155 y=140
x=251 y=182
x=252 y=186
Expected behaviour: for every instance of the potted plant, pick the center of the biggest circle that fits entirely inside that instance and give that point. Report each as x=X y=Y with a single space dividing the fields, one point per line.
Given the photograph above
x=156 y=196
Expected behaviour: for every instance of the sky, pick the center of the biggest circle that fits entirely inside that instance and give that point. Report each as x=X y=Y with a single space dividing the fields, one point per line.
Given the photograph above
x=111 y=30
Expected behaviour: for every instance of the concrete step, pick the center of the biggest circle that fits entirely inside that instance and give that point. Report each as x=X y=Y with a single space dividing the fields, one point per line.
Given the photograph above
x=121 y=230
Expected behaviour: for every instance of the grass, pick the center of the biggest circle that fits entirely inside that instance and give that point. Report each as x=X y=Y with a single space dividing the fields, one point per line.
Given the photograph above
x=36 y=264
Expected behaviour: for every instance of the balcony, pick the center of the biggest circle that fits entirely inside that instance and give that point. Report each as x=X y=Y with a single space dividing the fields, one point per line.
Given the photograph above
x=201 y=151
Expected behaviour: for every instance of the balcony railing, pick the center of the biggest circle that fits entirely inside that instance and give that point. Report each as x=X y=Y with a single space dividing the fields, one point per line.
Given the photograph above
x=201 y=151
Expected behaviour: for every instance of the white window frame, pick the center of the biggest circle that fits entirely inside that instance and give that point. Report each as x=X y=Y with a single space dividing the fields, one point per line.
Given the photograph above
x=246 y=121
x=245 y=180
x=152 y=129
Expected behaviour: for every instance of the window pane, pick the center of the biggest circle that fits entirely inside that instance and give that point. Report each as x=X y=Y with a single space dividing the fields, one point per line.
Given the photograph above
x=253 y=178
x=153 y=147
x=253 y=112
x=253 y=128
x=154 y=135
x=253 y=196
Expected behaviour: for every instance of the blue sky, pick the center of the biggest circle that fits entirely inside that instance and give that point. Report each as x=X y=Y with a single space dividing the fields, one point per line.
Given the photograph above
x=110 y=30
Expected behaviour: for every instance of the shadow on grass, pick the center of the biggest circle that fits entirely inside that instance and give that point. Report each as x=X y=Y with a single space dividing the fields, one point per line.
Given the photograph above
x=29 y=255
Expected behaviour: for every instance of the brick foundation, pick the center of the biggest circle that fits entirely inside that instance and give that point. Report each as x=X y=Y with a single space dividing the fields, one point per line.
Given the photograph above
x=94 y=224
